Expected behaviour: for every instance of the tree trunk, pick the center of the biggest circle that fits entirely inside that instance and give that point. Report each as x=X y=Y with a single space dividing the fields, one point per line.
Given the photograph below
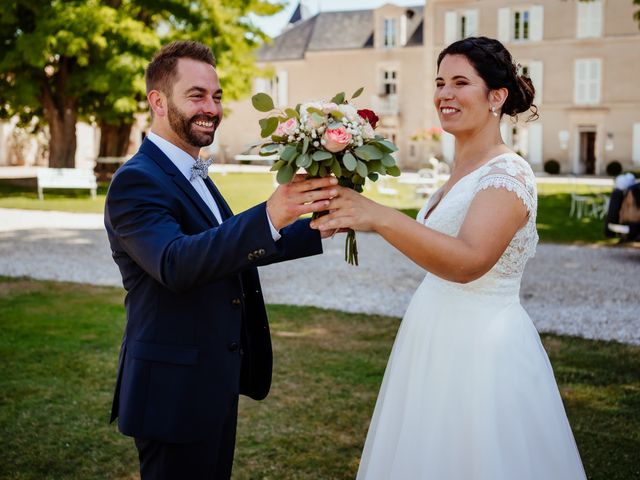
x=114 y=142
x=62 y=143
x=61 y=115
x=114 y=139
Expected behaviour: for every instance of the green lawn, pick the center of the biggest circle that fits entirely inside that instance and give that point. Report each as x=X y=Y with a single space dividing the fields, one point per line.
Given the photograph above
x=59 y=346
x=243 y=190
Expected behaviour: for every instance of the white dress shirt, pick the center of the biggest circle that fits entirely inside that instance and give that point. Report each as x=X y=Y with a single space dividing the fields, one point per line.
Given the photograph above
x=183 y=162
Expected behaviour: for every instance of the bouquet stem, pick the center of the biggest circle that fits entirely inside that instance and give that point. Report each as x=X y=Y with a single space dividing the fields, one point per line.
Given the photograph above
x=351 y=248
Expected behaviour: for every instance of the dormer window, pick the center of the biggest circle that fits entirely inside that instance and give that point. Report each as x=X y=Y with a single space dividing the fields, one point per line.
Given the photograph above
x=390 y=32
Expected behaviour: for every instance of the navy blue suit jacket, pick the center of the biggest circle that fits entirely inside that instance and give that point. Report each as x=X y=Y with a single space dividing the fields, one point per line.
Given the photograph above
x=197 y=333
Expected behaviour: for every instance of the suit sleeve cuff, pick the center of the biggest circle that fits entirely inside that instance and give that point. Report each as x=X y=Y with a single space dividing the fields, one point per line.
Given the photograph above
x=275 y=234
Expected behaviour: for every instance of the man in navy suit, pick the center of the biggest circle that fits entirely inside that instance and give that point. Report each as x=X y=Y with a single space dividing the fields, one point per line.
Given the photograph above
x=197 y=333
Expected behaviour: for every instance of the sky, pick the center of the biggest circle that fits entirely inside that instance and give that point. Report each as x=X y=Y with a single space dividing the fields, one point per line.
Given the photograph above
x=273 y=25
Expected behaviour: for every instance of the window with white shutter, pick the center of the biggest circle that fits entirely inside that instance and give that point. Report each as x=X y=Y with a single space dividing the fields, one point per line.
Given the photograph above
x=533 y=70
x=587 y=81
x=506 y=133
x=537 y=23
x=459 y=25
x=504 y=17
x=534 y=140
x=589 y=21
x=389 y=81
x=403 y=30
x=635 y=151
x=521 y=24
x=448 y=145
x=468 y=24
x=450 y=27
x=282 y=92
x=261 y=85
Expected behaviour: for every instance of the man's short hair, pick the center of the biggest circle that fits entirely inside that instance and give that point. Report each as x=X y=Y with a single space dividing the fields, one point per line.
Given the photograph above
x=161 y=72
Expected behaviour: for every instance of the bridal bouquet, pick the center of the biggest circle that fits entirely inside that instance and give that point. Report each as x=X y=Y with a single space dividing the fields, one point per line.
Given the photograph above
x=326 y=138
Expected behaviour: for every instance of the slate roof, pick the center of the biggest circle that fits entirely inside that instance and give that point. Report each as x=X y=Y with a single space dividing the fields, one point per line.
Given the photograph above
x=334 y=31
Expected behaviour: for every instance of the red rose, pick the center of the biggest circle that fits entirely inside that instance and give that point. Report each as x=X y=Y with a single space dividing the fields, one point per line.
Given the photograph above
x=369 y=116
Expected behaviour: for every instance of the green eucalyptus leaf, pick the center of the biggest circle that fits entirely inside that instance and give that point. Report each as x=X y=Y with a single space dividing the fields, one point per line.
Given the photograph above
x=349 y=161
x=373 y=176
x=357 y=179
x=285 y=174
x=386 y=146
x=335 y=168
x=289 y=153
x=291 y=113
x=277 y=165
x=374 y=166
x=262 y=102
x=313 y=169
x=337 y=114
x=388 y=161
x=320 y=155
x=322 y=171
x=362 y=170
x=393 y=171
x=269 y=149
x=357 y=93
x=304 y=160
x=339 y=98
x=305 y=144
x=268 y=126
x=368 y=152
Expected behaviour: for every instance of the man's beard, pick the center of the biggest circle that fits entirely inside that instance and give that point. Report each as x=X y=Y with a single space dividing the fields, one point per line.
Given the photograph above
x=184 y=127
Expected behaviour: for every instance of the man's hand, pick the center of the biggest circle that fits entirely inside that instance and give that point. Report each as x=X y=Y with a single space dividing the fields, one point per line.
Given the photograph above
x=299 y=197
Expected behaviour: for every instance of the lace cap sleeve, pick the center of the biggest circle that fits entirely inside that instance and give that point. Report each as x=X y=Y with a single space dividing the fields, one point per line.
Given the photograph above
x=513 y=173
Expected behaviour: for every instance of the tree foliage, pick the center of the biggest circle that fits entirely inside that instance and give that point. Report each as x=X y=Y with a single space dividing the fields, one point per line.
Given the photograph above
x=67 y=60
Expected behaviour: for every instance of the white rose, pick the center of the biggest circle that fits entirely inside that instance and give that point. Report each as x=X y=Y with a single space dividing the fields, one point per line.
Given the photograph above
x=349 y=112
x=367 y=131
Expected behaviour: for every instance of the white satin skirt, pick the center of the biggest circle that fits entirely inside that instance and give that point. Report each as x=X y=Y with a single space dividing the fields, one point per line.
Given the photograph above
x=468 y=394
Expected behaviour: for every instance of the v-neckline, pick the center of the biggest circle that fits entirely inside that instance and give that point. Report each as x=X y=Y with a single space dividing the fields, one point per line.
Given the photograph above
x=430 y=211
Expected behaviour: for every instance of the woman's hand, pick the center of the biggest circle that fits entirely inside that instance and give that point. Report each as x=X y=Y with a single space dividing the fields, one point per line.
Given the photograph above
x=350 y=209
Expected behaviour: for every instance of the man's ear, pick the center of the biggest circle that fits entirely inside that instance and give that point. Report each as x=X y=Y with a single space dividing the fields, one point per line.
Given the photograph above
x=498 y=97
x=158 y=102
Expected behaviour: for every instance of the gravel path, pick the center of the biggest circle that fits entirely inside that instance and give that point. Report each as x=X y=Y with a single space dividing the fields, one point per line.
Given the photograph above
x=579 y=290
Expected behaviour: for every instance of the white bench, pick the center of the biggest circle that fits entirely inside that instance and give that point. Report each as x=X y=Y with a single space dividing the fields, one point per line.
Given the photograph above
x=66 y=178
x=255 y=158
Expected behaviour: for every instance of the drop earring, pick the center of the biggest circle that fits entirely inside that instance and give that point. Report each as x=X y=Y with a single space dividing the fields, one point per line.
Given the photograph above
x=493 y=111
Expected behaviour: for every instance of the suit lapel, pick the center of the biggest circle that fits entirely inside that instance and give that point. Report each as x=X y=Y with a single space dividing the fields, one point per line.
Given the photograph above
x=225 y=210
x=153 y=152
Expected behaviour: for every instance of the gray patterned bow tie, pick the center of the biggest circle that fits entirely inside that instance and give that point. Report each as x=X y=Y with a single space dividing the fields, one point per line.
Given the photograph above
x=200 y=168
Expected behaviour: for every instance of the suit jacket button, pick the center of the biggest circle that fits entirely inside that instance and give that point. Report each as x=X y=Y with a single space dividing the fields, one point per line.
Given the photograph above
x=233 y=347
x=251 y=257
x=236 y=302
x=261 y=252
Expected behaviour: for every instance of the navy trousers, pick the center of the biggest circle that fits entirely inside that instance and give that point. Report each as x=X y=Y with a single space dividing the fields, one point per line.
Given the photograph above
x=211 y=459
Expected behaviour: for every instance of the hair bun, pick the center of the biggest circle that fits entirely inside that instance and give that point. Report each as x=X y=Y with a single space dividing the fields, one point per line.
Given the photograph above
x=520 y=98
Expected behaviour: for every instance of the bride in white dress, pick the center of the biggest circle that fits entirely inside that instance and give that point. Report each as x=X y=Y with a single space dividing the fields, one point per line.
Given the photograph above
x=468 y=393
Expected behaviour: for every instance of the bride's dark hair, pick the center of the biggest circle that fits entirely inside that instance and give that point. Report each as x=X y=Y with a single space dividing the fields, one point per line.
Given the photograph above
x=494 y=64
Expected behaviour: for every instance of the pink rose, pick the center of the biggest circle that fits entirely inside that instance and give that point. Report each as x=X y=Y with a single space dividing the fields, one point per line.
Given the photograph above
x=336 y=139
x=329 y=107
x=287 y=128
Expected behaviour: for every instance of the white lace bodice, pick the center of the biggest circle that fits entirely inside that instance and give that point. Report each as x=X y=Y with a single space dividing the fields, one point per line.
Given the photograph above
x=508 y=171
